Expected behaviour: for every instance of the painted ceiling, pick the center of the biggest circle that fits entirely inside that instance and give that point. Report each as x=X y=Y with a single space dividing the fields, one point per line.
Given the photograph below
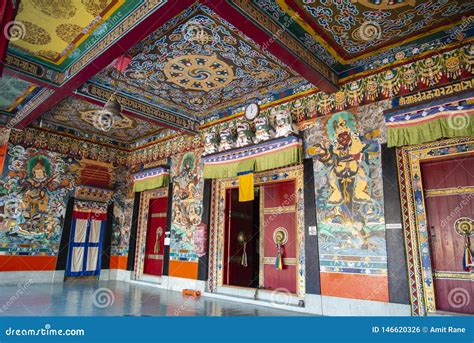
x=72 y=115
x=194 y=62
x=55 y=33
x=342 y=33
x=198 y=64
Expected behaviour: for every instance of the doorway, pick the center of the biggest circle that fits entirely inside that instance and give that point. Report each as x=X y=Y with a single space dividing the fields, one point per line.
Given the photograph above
x=260 y=238
x=242 y=240
x=88 y=225
x=449 y=200
x=155 y=235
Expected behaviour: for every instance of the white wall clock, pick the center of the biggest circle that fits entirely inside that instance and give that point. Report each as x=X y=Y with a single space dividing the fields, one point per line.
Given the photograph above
x=252 y=111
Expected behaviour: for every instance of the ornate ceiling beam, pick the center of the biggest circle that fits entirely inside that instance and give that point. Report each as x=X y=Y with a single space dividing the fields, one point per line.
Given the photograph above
x=7 y=13
x=270 y=37
x=84 y=71
x=130 y=106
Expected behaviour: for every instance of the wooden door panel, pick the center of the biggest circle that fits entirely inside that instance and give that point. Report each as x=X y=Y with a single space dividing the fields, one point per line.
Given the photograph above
x=449 y=195
x=155 y=236
x=241 y=222
x=279 y=211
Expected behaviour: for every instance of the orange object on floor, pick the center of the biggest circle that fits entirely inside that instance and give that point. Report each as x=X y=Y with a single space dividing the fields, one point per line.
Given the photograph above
x=191 y=292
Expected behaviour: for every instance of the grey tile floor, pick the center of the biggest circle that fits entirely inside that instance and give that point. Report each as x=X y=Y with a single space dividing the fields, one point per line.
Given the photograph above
x=116 y=298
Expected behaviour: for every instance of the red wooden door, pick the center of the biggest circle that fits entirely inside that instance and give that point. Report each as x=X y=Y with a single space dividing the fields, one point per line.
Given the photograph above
x=279 y=215
x=449 y=194
x=241 y=236
x=155 y=236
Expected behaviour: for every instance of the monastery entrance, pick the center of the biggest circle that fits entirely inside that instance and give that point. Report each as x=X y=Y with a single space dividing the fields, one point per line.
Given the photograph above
x=449 y=192
x=260 y=238
x=155 y=235
x=258 y=242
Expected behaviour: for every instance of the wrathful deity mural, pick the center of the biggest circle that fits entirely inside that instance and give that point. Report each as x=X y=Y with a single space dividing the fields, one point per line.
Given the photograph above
x=187 y=206
x=33 y=197
x=349 y=199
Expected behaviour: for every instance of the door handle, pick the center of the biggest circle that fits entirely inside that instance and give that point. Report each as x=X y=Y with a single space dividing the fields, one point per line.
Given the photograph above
x=432 y=232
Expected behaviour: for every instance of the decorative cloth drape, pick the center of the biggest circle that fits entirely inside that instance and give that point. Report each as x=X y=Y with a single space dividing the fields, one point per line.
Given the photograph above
x=246 y=186
x=445 y=121
x=85 y=245
x=264 y=156
x=150 y=179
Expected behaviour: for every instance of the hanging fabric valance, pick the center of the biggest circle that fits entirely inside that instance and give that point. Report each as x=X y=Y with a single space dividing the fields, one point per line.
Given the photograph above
x=264 y=156
x=445 y=121
x=150 y=179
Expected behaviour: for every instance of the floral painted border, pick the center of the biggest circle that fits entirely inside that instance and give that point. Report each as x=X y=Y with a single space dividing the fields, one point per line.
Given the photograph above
x=415 y=229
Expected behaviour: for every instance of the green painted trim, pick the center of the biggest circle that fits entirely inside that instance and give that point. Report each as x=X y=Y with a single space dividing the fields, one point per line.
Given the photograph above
x=462 y=126
x=292 y=155
x=152 y=183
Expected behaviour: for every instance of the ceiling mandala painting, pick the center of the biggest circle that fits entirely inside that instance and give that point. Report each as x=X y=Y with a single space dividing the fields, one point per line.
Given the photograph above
x=198 y=64
x=80 y=116
x=174 y=66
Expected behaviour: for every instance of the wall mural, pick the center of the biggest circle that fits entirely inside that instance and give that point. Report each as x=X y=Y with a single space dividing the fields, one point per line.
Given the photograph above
x=121 y=226
x=188 y=187
x=33 y=199
x=349 y=194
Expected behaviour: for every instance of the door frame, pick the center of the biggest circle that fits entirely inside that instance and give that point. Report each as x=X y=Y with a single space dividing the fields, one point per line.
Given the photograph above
x=418 y=250
x=142 y=227
x=217 y=227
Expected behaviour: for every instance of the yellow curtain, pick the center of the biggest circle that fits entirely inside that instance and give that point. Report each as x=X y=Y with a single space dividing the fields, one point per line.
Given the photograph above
x=246 y=192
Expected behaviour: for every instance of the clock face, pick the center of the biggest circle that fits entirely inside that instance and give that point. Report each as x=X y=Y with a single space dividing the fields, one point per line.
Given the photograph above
x=251 y=112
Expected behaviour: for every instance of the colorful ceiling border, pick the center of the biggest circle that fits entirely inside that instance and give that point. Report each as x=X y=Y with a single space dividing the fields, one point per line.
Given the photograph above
x=295 y=12
x=42 y=139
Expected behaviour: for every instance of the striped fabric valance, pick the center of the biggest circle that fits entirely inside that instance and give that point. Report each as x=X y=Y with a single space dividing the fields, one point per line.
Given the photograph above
x=150 y=179
x=264 y=156
x=444 y=121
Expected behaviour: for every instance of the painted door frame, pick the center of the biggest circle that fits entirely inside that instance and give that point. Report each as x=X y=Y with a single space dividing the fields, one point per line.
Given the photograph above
x=217 y=227
x=415 y=228
x=142 y=227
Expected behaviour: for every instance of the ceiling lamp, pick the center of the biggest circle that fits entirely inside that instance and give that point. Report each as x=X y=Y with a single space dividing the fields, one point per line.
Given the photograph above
x=111 y=113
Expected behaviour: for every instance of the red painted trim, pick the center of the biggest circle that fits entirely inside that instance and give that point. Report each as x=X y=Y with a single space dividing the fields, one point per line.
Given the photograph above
x=118 y=262
x=89 y=215
x=27 y=263
x=244 y=24
x=135 y=35
x=7 y=14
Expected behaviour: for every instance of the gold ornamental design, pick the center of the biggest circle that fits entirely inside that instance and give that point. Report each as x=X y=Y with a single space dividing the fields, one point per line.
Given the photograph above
x=199 y=72
x=385 y=4
x=94 y=118
x=464 y=226
x=280 y=236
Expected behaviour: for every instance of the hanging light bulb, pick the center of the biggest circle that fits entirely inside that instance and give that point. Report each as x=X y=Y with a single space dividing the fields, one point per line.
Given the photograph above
x=112 y=110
